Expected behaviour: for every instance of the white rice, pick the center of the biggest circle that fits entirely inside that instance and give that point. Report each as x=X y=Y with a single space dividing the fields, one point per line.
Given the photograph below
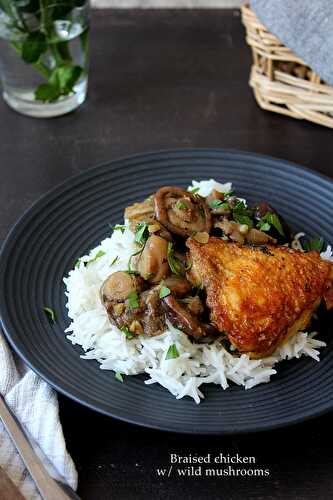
x=197 y=364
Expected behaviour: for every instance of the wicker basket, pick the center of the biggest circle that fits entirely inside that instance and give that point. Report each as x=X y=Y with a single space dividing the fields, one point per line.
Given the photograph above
x=281 y=81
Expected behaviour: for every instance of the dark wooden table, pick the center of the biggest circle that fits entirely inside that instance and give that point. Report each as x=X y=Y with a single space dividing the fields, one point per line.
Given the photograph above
x=166 y=79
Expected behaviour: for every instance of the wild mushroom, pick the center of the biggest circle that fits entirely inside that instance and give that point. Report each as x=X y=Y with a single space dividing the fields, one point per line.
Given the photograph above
x=153 y=261
x=177 y=285
x=181 y=212
x=182 y=318
x=118 y=286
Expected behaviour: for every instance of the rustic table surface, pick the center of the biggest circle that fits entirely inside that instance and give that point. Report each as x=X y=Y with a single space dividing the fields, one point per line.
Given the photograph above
x=166 y=79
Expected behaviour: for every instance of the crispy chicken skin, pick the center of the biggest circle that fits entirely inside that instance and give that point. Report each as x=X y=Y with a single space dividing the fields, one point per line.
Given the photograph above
x=259 y=296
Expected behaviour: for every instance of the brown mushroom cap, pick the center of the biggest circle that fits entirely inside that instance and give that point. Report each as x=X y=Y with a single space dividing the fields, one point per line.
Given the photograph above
x=118 y=286
x=181 y=212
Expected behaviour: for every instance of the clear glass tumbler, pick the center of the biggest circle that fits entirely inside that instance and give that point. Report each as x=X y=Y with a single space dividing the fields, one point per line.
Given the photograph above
x=44 y=55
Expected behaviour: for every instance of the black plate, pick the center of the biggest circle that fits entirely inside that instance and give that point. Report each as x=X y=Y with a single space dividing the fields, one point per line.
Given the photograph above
x=74 y=217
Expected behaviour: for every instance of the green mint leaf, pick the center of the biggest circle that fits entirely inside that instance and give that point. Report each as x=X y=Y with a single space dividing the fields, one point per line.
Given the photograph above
x=119 y=377
x=33 y=47
x=172 y=352
x=164 y=292
x=114 y=260
x=50 y=314
x=141 y=233
x=129 y=335
x=47 y=93
x=65 y=77
x=133 y=299
x=99 y=254
x=314 y=244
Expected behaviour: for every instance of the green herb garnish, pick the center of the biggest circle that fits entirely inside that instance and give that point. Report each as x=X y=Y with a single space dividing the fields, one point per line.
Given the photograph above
x=202 y=212
x=194 y=190
x=241 y=214
x=218 y=204
x=172 y=352
x=228 y=194
x=263 y=226
x=119 y=227
x=119 y=376
x=129 y=335
x=129 y=266
x=77 y=263
x=133 y=299
x=174 y=264
x=141 y=233
x=272 y=220
x=181 y=205
x=313 y=244
x=99 y=254
x=114 y=260
x=50 y=314
x=164 y=292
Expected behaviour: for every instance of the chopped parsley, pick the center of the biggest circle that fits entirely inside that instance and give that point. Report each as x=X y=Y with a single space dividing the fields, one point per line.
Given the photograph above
x=114 y=260
x=263 y=226
x=174 y=264
x=164 y=292
x=129 y=265
x=99 y=254
x=202 y=212
x=119 y=377
x=268 y=220
x=313 y=244
x=129 y=335
x=50 y=314
x=172 y=352
x=241 y=214
x=181 y=205
x=119 y=227
x=133 y=299
x=218 y=204
x=141 y=233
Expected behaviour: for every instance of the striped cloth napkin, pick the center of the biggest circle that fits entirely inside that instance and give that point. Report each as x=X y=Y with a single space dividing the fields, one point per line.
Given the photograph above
x=36 y=406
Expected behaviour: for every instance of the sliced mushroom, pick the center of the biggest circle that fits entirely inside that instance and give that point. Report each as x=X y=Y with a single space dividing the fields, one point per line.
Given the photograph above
x=153 y=318
x=153 y=261
x=233 y=230
x=182 y=318
x=259 y=237
x=194 y=305
x=118 y=286
x=178 y=286
x=140 y=212
x=181 y=212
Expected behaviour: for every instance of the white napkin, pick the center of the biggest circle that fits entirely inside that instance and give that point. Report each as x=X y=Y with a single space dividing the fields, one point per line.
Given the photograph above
x=36 y=406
